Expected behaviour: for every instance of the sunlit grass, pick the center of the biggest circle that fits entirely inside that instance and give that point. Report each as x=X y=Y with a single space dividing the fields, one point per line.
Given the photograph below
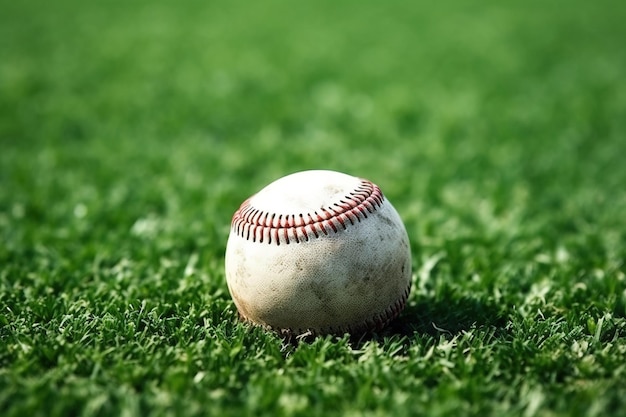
x=130 y=133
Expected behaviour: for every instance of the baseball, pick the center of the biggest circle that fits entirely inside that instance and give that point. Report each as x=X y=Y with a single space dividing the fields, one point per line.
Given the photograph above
x=318 y=252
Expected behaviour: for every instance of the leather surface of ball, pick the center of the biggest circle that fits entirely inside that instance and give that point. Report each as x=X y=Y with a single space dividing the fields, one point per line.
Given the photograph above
x=318 y=252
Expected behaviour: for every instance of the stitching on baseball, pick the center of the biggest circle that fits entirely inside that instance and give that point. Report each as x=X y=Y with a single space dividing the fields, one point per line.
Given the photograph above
x=381 y=320
x=253 y=224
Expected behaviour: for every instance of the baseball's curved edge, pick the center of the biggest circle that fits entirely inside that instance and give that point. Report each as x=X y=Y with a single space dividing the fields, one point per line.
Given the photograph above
x=373 y=324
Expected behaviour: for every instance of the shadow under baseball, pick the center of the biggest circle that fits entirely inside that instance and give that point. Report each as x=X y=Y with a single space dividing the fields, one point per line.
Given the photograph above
x=450 y=316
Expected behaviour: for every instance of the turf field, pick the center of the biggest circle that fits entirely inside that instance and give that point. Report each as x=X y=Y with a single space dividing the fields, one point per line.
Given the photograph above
x=131 y=131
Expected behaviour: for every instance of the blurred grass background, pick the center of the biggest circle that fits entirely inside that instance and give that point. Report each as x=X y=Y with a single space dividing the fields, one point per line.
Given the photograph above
x=131 y=131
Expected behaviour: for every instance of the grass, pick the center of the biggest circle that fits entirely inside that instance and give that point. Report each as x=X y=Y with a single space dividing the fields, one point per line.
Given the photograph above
x=130 y=133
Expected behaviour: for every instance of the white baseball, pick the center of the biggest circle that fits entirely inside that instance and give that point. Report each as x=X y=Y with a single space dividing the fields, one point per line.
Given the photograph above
x=318 y=252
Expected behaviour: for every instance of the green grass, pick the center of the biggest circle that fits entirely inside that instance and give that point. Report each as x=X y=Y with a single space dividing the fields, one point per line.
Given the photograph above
x=131 y=131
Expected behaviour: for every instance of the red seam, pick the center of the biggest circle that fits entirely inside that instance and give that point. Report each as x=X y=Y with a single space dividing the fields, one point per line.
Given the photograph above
x=252 y=224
